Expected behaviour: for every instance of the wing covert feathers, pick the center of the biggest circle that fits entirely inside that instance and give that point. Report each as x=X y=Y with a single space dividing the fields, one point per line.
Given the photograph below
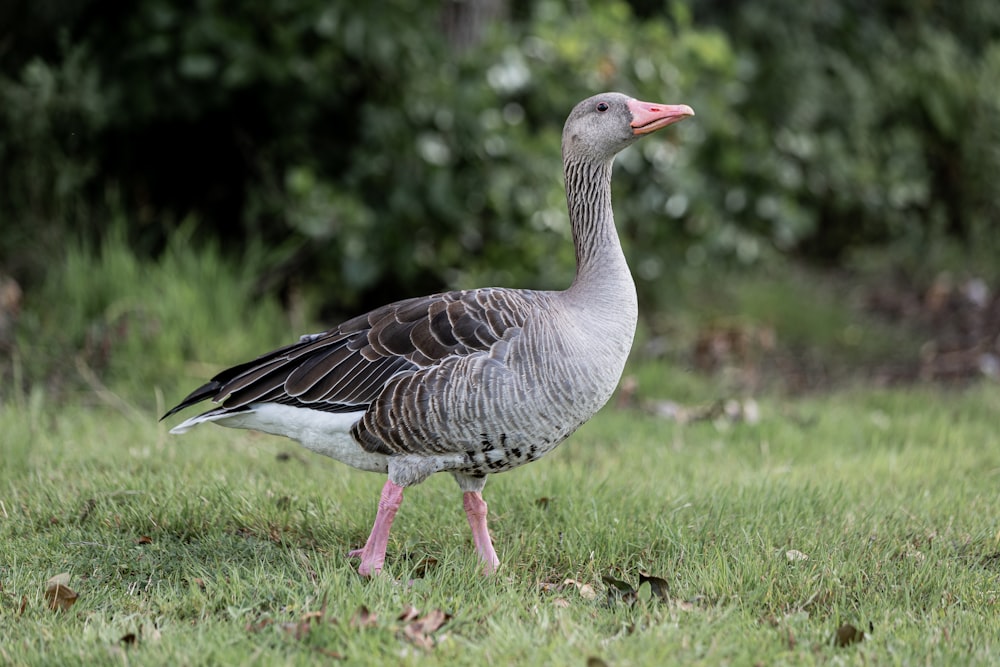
x=350 y=367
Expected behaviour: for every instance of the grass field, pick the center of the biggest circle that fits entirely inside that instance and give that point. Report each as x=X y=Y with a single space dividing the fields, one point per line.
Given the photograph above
x=875 y=508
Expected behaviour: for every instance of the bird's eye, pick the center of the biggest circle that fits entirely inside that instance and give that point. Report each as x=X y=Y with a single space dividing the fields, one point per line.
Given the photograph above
x=602 y=106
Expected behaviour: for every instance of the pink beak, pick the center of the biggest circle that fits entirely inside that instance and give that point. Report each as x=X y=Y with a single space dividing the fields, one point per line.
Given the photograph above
x=648 y=117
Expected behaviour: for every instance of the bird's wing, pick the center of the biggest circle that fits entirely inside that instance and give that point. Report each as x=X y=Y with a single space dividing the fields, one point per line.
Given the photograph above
x=345 y=369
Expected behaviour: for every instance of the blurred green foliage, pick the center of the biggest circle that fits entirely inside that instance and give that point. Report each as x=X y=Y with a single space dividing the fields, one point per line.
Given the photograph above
x=373 y=160
x=880 y=121
x=144 y=327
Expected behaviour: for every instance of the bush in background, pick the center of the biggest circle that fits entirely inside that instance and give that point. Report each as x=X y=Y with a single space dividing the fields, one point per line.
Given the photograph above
x=345 y=154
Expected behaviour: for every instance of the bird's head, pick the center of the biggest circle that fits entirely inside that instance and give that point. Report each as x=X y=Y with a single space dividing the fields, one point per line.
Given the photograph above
x=601 y=126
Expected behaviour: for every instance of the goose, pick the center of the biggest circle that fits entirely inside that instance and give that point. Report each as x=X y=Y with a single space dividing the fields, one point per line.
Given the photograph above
x=470 y=382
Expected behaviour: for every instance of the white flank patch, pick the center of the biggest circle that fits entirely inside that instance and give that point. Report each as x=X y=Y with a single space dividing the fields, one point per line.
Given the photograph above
x=327 y=433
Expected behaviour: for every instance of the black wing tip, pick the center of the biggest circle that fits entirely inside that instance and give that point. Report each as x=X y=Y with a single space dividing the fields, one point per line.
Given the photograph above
x=208 y=390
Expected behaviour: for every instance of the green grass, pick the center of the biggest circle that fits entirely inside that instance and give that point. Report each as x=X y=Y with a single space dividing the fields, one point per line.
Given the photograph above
x=211 y=548
x=891 y=494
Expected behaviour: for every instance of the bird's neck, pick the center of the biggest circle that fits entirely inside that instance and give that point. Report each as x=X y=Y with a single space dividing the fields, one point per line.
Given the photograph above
x=600 y=262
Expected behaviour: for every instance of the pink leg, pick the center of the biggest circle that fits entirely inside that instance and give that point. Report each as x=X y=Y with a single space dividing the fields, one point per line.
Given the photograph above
x=373 y=554
x=475 y=509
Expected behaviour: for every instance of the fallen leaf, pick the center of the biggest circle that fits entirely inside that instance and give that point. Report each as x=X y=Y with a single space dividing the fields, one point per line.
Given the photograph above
x=300 y=628
x=199 y=582
x=312 y=616
x=297 y=629
x=426 y=563
x=128 y=640
x=433 y=621
x=586 y=591
x=330 y=654
x=619 y=590
x=543 y=502
x=60 y=596
x=617 y=584
x=419 y=631
x=24 y=605
x=408 y=614
x=145 y=539
x=418 y=639
x=562 y=603
x=657 y=586
x=793 y=555
x=847 y=634
x=259 y=624
x=594 y=661
x=363 y=618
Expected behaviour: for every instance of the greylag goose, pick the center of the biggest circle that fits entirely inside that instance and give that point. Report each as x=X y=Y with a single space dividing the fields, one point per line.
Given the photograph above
x=471 y=382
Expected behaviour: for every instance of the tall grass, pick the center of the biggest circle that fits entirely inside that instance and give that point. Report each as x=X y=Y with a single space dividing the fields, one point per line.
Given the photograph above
x=104 y=315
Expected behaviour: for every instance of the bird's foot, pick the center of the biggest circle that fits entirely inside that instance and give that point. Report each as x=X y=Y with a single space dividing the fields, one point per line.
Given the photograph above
x=475 y=510
x=371 y=563
x=372 y=555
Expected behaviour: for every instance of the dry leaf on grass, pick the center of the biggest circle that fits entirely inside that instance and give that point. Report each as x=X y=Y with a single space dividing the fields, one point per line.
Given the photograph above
x=330 y=654
x=60 y=596
x=297 y=629
x=594 y=661
x=24 y=605
x=619 y=590
x=419 y=631
x=145 y=539
x=408 y=614
x=423 y=566
x=586 y=591
x=300 y=628
x=128 y=639
x=363 y=618
x=657 y=586
x=847 y=634
x=259 y=624
x=622 y=591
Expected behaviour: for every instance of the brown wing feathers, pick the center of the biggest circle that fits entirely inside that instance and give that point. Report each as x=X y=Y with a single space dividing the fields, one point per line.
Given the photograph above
x=347 y=368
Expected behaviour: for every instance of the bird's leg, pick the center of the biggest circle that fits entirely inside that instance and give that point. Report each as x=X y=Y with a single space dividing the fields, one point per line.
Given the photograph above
x=373 y=554
x=475 y=509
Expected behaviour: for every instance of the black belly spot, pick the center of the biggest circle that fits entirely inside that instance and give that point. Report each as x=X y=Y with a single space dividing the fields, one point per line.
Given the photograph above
x=515 y=452
x=503 y=439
